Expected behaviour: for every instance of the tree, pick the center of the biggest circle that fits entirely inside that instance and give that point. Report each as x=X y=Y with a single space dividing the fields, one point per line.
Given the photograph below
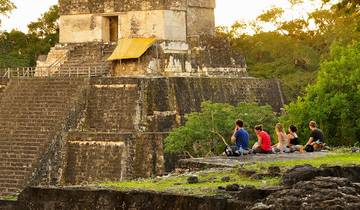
x=271 y=15
x=293 y=49
x=47 y=24
x=18 y=49
x=334 y=100
x=349 y=6
x=6 y=6
x=204 y=131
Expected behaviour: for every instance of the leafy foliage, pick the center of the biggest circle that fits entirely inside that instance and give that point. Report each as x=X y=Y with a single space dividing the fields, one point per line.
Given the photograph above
x=334 y=100
x=203 y=132
x=293 y=49
x=18 y=49
x=271 y=15
x=6 y=6
x=47 y=24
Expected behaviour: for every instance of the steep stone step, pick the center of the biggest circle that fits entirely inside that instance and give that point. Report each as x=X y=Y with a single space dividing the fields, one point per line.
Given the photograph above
x=88 y=57
x=32 y=112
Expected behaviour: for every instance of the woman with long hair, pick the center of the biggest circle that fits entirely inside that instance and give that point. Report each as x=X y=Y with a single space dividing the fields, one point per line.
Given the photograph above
x=283 y=140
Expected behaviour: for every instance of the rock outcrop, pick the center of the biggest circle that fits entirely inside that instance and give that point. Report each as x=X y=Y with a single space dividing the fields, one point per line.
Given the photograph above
x=308 y=172
x=319 y=193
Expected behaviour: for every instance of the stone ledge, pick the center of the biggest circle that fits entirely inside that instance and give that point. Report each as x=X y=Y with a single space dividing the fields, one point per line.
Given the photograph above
x=226 y=162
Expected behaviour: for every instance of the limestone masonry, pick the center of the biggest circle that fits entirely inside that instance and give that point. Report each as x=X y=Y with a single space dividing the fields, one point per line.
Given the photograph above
x=82 y=118
x=183 y=29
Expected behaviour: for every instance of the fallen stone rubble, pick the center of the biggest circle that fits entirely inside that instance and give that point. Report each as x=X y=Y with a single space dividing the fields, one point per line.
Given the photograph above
x=318 y=193
x=305 y=187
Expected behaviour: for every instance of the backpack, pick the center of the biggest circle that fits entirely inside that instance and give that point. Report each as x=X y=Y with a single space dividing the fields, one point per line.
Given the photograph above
x=232 y=151
x=309 y=148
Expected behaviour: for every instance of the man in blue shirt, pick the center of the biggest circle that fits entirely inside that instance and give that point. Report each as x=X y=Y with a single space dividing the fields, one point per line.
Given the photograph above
x=240 y=137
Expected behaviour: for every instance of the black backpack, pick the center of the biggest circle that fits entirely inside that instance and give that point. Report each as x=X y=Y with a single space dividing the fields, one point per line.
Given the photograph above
x=309 y=148
x=232 y=151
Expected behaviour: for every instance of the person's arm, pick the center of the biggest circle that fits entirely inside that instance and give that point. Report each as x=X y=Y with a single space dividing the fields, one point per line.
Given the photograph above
x=290 y=137
x=311 y=139
x=259 y=140
x=233 y=137
x=279 y=137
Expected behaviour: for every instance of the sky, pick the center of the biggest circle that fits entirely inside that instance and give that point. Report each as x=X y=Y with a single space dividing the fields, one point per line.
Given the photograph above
x=227 y=11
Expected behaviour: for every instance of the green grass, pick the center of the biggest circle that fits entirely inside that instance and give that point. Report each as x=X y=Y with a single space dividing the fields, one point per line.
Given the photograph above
x=9 y=197
x=340 y=159
x=211 y=180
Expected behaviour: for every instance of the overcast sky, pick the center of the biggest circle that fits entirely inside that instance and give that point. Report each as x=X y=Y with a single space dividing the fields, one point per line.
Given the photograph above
x=227 y=11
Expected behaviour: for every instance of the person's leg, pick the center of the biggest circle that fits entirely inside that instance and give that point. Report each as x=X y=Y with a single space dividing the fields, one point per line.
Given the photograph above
x=275 y=149
x=256 y=145
x=317 y=147
x=300 y=148
x=246 y=152
x=257 y=150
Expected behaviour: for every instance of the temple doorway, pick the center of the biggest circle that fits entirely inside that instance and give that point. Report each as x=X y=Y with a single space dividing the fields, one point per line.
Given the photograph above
x=113 y=28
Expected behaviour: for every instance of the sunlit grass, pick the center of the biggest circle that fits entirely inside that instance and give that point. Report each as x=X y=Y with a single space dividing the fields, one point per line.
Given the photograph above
x=9 y=197
x=340 y=159
x=209 y=183
x=211 y=180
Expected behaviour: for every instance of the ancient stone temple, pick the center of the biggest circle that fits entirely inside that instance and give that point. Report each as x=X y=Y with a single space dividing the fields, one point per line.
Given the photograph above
x=168 y=38
x=124 y=74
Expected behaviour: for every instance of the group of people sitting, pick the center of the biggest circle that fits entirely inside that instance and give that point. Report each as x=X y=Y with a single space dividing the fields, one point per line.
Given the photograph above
x=285 y=142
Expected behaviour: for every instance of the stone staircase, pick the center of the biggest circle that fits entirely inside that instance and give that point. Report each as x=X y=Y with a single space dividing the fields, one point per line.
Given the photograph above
x=89 y=58
x=33 y=113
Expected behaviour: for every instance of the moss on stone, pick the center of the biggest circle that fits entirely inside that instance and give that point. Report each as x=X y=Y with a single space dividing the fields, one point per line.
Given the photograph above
x=209 y=181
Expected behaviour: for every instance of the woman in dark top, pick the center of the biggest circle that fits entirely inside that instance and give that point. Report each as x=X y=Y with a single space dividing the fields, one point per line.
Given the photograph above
x=294 y=143
x=293 y=137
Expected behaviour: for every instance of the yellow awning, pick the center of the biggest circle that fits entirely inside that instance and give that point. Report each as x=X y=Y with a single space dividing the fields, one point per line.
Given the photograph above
x=131 y=48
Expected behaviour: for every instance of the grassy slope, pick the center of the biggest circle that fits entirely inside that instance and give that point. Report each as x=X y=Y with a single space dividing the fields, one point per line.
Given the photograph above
x=211 y=180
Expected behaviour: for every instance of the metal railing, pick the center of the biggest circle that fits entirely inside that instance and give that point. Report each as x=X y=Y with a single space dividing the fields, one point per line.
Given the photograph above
x=28 y=72
x=17 y=72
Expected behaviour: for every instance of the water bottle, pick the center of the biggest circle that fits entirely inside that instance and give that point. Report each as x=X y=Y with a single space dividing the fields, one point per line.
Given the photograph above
x=241 y=151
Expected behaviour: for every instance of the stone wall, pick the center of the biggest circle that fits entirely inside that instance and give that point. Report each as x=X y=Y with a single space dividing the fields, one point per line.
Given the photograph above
x=114 y=105
x=162 y=24
x=69 y=7
x=8 y=205
x=200 y=21
x=88 y=20
x=333 y=187
x=159 y=104
x=103 y=157
x=95 y=199
x=126 y=120
x=81 y=28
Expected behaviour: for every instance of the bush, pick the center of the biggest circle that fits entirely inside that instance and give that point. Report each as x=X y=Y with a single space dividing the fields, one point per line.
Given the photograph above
x=334 y=100
x=204 y=131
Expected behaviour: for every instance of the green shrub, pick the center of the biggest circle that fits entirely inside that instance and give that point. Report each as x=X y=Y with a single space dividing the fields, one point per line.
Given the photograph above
x=334 y=100
x=204 y=131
